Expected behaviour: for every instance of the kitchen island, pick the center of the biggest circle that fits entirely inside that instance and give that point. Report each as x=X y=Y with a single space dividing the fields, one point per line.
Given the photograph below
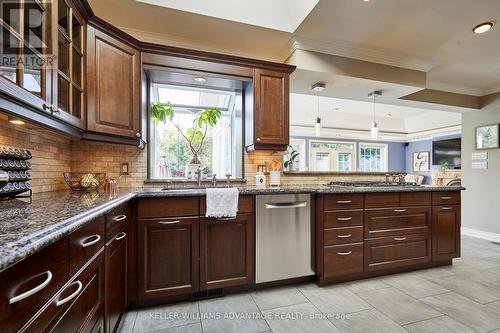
x=149 y=246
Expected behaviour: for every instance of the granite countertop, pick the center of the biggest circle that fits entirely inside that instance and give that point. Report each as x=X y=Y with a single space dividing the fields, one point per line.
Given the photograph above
x=26 y=226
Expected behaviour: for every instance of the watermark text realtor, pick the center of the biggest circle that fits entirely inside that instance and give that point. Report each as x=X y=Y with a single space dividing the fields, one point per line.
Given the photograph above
x=23 y=44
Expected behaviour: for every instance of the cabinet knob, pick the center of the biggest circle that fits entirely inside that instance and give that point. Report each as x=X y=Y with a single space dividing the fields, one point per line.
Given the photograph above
x=258 y=140
x=138 y=134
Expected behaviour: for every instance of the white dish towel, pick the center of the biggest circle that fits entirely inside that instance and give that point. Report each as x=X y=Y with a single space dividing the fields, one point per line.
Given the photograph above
x=222 y=202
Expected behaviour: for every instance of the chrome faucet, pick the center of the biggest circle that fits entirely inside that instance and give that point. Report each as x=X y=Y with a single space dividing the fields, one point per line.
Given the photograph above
x=198 y=175
x=228 y=181
x=214 y=180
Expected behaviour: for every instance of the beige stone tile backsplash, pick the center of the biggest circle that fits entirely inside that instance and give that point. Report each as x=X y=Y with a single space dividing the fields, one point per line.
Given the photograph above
x=51 y=154
x=54 y=154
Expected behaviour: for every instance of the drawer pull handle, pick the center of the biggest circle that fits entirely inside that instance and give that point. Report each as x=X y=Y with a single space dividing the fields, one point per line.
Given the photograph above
x=446 y=208
x=169 y=222
x=344 y=253
x=121 y=235
x=399 y=238
x=34 y=290
x=119 y=218
x=227 y=218
x=343 y=219
x=73 y=295
x=344 y=202
x=344 y=236
x=446 y=198
x=400 y=210
x=92 y=242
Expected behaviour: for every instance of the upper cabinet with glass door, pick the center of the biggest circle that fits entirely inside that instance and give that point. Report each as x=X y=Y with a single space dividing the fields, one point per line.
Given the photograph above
x=70 y=55
x=42 y=57
x=26 y=52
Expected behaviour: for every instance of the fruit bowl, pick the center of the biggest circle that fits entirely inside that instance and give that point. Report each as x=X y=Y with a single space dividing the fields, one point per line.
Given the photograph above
x=84 y=181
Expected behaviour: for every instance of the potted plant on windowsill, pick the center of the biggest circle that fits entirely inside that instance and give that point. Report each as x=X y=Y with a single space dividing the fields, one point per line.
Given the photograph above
x=194 y=135
x=290 y=162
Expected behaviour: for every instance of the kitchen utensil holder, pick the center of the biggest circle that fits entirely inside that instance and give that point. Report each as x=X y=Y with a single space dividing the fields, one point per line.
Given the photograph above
x=15 y=162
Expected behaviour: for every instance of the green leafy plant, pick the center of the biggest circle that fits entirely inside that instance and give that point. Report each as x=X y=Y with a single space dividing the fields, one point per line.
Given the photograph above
x=291 y=157
x=195 y=135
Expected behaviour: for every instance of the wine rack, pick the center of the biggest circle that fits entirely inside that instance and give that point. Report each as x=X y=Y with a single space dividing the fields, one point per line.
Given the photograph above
x=16 y=163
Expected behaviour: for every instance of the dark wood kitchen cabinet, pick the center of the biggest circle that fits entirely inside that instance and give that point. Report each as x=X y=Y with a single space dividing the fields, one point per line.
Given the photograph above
x=44 y=42
x=267 y=119
x=114 y=86
x=446 y=232
x=226 y=251
x=168 y=256
x=115 y=280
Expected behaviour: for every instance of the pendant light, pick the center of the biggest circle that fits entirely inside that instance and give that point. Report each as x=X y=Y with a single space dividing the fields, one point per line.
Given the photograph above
x=374 y=126
x=317 y=126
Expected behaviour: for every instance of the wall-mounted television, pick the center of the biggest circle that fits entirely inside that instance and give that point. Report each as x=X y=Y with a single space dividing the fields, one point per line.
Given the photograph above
x=447 y=152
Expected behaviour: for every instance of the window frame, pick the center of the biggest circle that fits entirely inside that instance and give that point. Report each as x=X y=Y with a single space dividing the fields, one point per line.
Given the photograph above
x=151 y=154
x=384 y=154
x=354 y=159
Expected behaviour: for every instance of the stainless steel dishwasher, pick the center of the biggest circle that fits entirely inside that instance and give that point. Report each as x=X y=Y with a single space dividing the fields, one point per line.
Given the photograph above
x=283 y=237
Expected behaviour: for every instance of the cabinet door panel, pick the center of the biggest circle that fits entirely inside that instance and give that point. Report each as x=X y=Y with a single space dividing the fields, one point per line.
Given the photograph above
x=271 y=107
x=168 y=256
x=116 y=280
x=113 y=86
x=398 y=251
x=445 y=232
x=395 y=221
x=226 y=252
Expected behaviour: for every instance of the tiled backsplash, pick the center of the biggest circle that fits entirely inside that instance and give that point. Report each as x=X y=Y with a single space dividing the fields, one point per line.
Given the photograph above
x=54 y=154
x=51 y=154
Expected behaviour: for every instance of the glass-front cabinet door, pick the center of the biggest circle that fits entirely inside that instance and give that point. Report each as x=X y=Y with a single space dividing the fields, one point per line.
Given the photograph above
x=26 y=51
x=70 y=54
x=42 y=56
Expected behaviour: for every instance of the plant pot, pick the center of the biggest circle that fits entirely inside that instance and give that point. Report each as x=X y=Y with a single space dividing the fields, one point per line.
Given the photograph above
x=191 y=170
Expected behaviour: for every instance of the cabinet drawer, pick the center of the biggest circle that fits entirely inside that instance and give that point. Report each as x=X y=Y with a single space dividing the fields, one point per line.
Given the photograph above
x=84 y=243
x=445 y=198
x=38 y=278
x=337 y=236
x=408 y=199
x=343 y=259
x=346 y=218
x=76 y=306
x=396 y=221
x=168 y=207
x=397 y=251
x=245 y=205
x=342 y=201
x=117 y=219
x=379 y=200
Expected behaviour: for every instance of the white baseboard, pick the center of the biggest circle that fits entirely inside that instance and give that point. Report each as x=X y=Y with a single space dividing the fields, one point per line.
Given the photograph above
x=481 y=234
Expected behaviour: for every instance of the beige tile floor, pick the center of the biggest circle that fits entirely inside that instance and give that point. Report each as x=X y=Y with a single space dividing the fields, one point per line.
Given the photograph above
x=461 y=298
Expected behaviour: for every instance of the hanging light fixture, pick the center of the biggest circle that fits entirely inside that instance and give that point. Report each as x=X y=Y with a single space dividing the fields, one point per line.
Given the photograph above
x=374 y=126
x=317 y=126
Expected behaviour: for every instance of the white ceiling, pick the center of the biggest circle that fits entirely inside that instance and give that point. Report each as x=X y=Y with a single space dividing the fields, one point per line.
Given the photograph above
x=343 y=115
x=429 y=35
x=284 y=15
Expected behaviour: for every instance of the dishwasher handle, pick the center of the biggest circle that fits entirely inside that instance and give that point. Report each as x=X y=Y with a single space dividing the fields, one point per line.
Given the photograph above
x=280 y=205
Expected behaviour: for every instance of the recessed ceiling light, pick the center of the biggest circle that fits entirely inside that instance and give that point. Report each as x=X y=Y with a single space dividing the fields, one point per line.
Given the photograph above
x=389 y=115
x=17 y=121
x=483 y=27
x=200 y=79
x=366 y=0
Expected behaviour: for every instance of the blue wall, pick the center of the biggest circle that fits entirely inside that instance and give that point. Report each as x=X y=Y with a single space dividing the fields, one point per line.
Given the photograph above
x=425 y=145
x=396 y=151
